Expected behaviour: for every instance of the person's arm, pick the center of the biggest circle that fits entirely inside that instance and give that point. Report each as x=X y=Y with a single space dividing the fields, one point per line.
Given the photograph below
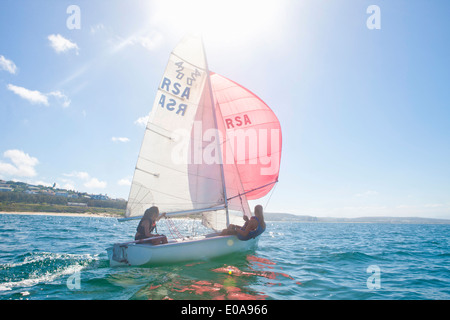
x=160 y=216
x=251 y=225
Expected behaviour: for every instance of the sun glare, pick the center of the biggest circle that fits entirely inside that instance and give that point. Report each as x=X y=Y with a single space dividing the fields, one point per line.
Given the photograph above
x=231 y=20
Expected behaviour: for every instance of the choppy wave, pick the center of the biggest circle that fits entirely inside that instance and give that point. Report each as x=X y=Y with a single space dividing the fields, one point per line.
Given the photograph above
x=65 y=258
x=41 y=268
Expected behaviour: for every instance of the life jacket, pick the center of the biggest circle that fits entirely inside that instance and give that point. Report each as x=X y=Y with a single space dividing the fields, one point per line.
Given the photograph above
x=140 y=227
x=254 y=233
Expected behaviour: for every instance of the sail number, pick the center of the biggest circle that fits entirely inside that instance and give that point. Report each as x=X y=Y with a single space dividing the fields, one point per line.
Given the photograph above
x=180 y=73
x=176 y=89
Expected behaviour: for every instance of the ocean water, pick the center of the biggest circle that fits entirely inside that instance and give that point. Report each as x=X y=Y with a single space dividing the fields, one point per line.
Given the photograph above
x=53 y=257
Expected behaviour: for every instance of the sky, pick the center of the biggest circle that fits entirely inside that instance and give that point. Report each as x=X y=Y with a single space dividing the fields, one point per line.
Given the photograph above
x=361 y=89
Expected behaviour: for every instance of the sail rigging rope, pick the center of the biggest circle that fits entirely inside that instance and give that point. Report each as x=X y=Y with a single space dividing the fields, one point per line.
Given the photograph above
x=270 y=196
x=173 y=229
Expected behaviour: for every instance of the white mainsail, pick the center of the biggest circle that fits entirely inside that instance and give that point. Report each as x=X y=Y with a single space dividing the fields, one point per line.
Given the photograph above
x=179 y=167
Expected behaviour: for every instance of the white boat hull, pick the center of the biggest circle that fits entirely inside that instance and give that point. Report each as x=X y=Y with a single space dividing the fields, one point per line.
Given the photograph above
x=136 y=254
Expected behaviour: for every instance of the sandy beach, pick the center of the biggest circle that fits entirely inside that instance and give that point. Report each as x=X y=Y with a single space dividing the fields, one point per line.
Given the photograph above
x=65 y=214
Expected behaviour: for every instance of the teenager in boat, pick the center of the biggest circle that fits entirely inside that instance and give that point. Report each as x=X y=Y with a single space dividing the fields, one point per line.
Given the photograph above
x=252 y=228
x=148 y=223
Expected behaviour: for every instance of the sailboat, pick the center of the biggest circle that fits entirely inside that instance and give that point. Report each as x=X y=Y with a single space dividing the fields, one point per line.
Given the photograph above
x=210 y=145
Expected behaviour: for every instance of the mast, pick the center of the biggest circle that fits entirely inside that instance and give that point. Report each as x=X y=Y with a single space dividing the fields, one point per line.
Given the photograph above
x=222 y=173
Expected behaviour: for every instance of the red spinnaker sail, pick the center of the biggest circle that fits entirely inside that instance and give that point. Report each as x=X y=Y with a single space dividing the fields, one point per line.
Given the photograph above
x=251 y=136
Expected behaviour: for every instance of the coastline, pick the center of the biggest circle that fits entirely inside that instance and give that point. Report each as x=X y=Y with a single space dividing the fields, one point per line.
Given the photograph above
x=64 y=214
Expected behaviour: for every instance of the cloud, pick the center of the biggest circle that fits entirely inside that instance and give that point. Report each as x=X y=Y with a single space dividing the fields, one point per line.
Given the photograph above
x=32 y=96
x=120 y=139
x=94 y=183
x=78 y=174
x=142 y=121
x=124 y=182
x=7 y=65
x=63 y=99
x=22 y=164
x=150 y=42
x=61 y=44
x=40 y=183
x=88 y=181
x=37 y=97
x=66 y=184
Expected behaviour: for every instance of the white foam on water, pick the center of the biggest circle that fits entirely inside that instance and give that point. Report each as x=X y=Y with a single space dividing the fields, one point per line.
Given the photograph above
x=36 y=278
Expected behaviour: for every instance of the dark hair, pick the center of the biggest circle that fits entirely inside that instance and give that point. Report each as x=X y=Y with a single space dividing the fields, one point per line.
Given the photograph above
x=259 y=210
x=150 y=212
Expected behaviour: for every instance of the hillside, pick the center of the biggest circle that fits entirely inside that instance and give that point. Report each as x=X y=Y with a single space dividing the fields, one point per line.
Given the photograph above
x=23 y=197
x=270 y=216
